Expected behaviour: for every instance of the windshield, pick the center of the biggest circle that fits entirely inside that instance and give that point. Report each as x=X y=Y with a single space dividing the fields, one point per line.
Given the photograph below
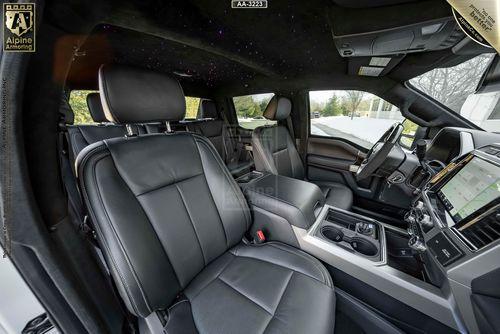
x=455 y=86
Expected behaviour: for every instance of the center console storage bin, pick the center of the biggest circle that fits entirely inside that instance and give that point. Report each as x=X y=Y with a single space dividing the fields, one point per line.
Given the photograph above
x=277 y=202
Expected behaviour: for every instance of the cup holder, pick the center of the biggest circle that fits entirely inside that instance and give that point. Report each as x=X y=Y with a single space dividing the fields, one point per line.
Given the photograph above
x=364 y=246
x=332 y=233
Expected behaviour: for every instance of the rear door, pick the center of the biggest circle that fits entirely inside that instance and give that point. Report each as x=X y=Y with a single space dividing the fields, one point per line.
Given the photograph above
x=343 y=126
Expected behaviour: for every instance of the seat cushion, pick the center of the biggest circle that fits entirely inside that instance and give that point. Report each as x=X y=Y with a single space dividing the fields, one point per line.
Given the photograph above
x=268 y=288
x=337 y=195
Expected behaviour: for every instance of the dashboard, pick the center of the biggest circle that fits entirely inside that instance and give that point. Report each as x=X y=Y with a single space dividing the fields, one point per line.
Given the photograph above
x=455 y=220
x=452 y=142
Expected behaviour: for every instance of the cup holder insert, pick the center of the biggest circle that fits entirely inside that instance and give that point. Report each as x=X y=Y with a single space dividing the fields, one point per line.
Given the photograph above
x=332 y=233
x=364 y=246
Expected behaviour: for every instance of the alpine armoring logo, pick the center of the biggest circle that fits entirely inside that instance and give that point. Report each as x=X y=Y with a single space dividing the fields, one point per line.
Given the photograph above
x=19 y=27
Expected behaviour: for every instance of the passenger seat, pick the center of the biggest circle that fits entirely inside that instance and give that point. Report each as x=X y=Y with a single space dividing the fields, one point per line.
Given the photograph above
x=170 y=220
x=214 y=128
x=275 y=152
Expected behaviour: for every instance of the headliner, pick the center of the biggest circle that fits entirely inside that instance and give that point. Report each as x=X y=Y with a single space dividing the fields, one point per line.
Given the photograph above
x=286 y=44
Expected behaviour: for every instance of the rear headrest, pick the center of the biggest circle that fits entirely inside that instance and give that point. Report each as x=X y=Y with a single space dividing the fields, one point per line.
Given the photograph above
x=207 y=109
x=95 y=108
x=278 y=108
x=135 y=95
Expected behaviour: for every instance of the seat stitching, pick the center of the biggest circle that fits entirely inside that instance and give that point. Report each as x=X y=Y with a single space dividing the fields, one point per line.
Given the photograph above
x=168 y=184
x=192 y=224
x=312 y=260
x=116 y=267
x=280 y=300
x=212 y=198
x=246 y=297
x=229 y=178
x=215 y=278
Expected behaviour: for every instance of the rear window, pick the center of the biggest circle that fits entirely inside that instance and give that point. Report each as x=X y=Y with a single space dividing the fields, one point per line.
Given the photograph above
x=192 y=105
x=249 y=110
x=78 y=103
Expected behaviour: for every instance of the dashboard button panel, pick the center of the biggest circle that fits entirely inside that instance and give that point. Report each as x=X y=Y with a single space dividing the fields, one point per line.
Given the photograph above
x=443 y=249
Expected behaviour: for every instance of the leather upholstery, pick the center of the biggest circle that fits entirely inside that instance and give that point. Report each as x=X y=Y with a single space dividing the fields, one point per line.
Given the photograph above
x=278 y=108
x=295 y=200
x=134 y=95
x=170 y=219
x=81 y=136
x=336 y=194
x=271 y=288
x=274 y=151
x=164 y=207
x=207 y=109
x=217 y=132
x=95 y=108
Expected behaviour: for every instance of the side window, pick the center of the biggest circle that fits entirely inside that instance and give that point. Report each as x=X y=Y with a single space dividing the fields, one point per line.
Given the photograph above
x=356 y=116
x=249 y=110
x=192 y=104
x=78 y=103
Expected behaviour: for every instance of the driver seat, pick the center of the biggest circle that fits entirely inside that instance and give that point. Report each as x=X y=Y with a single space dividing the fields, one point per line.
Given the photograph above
x=274 y=152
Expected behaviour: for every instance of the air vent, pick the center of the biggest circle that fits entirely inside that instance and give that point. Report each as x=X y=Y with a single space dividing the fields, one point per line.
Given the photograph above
x=483 y=232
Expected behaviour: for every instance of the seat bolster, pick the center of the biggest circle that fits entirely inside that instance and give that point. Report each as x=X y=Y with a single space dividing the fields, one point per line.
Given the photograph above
x=286 y=256
x=228 y=198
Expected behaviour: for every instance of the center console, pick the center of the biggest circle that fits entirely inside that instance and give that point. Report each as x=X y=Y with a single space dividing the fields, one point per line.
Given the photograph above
x=358 y=234
x=453 y=233
x=456 y=220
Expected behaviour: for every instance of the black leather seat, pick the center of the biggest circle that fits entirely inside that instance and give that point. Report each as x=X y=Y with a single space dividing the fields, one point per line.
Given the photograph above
x=215 y=129
x=170 y=219
x=274 y=152
x=82 y=135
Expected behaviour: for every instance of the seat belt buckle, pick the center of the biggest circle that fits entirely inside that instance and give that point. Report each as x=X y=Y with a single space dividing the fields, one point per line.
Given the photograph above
x=259 y=237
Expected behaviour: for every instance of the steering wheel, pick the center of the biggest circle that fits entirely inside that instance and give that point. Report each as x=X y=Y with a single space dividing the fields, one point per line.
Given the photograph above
x=379 y=152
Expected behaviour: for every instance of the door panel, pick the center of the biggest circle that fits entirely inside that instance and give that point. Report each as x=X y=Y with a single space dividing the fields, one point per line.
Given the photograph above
x=329 y=159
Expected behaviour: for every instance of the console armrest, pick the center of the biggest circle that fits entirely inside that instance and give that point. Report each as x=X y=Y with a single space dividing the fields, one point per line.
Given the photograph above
x=295 y=200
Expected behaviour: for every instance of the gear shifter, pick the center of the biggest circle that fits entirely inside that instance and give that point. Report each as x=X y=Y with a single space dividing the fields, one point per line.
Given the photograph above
x=365 y=228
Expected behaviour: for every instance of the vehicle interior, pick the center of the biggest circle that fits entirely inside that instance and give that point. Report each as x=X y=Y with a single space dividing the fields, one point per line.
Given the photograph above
x=321 y=166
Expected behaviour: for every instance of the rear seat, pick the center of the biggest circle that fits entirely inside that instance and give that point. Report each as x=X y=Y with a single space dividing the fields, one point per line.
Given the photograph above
x=211 y=126
x=81 y=136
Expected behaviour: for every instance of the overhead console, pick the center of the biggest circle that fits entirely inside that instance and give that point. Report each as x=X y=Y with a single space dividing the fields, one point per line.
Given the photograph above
x=425 y=36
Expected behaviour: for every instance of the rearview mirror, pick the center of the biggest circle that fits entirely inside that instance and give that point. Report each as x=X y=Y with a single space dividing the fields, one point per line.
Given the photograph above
x=490 y=81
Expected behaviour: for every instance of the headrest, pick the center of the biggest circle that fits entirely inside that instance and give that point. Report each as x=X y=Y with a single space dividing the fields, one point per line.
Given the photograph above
x=65 y=109
x=278 y=108
x=207 y=109
x=95 y=108
x=135 y=95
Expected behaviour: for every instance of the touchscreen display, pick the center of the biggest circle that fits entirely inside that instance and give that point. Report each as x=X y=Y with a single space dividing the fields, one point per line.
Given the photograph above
x=474 y=186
